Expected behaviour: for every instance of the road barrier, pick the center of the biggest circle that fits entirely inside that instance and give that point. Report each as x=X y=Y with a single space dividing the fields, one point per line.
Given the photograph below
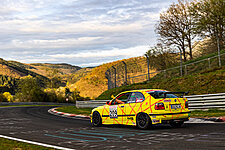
x=195 y=102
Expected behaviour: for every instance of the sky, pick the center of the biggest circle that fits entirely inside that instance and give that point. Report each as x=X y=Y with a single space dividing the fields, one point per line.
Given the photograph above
x=79 y=32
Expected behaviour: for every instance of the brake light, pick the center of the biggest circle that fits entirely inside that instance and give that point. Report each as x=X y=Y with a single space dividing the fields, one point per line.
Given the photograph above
x=186 y=104
x=159 y=106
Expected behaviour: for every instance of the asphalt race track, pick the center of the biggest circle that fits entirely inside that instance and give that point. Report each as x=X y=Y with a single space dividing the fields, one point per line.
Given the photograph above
x=36 y=124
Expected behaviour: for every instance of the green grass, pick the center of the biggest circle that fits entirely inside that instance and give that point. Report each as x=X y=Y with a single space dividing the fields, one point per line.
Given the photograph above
x=74 y=110
x=208 y=113
x=27 y=105
x=6 y=144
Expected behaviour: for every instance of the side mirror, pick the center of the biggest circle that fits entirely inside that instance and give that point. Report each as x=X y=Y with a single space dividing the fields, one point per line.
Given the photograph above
x=113 y=97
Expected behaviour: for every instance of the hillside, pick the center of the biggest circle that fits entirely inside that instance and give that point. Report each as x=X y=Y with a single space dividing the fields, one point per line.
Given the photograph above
x=95 y=82
x=209 y=81
x=198 y=79
x=16 y=69
x=46 y=68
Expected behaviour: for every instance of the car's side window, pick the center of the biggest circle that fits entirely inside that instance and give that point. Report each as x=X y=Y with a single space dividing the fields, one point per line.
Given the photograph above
x=136 y=97
x=122 y=97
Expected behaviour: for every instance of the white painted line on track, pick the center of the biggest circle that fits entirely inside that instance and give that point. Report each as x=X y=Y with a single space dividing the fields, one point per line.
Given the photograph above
x=35 y=143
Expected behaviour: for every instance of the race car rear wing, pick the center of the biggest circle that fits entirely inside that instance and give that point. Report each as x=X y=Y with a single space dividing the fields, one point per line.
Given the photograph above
x=182 y=93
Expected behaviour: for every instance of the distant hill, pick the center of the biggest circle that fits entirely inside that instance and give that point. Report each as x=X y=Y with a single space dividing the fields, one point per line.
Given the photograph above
x=44 y=72
x=60 y=69
x=16 y=69
x=95 y=82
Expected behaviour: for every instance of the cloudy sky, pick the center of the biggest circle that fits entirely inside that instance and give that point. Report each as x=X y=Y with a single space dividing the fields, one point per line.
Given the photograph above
x=79 y=32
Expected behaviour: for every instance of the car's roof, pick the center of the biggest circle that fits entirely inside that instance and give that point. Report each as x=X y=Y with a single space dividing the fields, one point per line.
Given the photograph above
x=143 y=90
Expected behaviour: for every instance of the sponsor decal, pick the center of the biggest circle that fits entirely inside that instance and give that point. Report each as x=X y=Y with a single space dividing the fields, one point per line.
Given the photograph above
x=113 y=112
x=130 y=118
x=168 y=100
x=155 y=121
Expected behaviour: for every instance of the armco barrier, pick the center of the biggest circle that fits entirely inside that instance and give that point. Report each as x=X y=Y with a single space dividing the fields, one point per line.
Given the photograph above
x=195 y=102
x=207 y=101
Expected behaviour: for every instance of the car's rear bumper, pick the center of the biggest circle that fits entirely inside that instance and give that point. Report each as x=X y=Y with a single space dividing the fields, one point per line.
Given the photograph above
x=178 y=113
x=168 y=117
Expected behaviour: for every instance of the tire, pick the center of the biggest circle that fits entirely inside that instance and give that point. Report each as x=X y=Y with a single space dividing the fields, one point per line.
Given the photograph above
x=176 y=124
x=96 y=119
x=143 y=121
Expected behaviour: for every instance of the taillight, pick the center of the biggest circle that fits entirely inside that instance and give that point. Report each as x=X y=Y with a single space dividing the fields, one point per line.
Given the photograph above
x=159 y=106
x=186 y=104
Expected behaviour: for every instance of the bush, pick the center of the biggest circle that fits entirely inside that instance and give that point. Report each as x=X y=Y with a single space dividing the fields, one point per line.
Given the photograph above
x=29 y=90
x=8 y=96
x=3 y=98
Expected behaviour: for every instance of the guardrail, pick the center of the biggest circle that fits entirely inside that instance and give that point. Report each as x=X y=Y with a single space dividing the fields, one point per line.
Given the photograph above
x=195 y=102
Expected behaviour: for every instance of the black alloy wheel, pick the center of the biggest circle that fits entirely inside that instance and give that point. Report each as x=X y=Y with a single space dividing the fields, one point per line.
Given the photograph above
x=143 y=121
x=96 y=119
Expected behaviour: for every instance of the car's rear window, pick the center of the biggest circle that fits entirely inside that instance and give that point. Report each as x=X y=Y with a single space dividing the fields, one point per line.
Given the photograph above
x=160 y=94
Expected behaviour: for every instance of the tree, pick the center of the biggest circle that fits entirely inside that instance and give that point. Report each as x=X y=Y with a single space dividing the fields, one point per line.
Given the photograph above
x=161 y=57
x=176 y=27
x=209 y=18
x=30 y=90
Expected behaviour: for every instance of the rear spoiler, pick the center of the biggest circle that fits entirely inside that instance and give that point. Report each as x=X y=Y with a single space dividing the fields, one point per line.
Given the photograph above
x=183 y=93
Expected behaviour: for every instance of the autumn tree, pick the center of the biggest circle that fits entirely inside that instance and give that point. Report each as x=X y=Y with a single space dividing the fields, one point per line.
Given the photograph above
x=209 y=18
x=176 y=27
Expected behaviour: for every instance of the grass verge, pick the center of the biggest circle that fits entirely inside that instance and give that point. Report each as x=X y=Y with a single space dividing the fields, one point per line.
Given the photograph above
x=208 y=113
x=6 y=144
x=27 y=105
x=75 y=110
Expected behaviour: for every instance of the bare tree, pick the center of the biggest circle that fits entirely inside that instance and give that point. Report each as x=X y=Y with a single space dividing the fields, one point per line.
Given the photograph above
x=176 y=27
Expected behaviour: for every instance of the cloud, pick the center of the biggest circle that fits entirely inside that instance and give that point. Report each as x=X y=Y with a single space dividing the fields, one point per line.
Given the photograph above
x=79 y=32
x=129 y=52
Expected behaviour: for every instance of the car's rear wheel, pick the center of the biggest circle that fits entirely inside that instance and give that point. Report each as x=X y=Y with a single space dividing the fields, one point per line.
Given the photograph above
x=96 y=119
x=176 y=124
x=143 y=121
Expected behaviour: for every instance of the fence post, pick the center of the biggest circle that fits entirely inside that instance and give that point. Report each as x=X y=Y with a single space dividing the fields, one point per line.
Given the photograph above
x=209 y=63
x=148 y=65
x=107 y=77
x=185 y=67
x=218 y=47
x=181 y=70
x=114 y=76
x=125 y=69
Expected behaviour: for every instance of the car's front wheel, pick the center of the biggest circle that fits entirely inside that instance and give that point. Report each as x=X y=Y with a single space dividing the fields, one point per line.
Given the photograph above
x=96 y=119
x=176 y=124
x=143 y=121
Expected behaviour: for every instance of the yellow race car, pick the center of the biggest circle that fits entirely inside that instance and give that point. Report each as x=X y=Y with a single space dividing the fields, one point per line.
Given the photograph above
x=142 y=108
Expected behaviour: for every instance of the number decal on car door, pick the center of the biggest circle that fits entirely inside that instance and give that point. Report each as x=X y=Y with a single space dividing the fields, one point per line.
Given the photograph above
x=113 y=112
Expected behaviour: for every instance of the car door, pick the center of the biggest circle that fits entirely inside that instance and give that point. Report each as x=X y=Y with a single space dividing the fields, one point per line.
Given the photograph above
x=117 y=113
x=133 y=106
